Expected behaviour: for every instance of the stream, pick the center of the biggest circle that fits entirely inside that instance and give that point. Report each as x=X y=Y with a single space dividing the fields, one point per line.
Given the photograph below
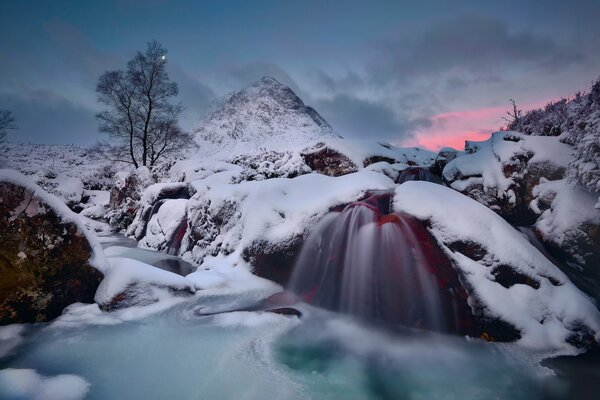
x=183 y=353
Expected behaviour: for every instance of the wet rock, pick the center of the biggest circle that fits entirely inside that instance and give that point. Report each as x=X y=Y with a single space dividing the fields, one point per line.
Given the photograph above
x=45 y=257
x=140 y=294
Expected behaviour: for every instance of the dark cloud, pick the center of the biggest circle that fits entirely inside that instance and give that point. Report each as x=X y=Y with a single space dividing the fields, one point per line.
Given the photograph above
x=46 y=117
x=246 y=74
x=356 y=118
x=193 y=94
x=472 y=44
x=351 y=81
x=78 y=53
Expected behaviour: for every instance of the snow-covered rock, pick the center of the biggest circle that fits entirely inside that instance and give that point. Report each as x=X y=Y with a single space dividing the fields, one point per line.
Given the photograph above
x=248 y=217
x=125 y=195
x=66 y=188
x=569 y=225
x=131 y=283
x=506 y=276
x=264 y=116
x=48 y=258
x=502 y=171
x=335 y=157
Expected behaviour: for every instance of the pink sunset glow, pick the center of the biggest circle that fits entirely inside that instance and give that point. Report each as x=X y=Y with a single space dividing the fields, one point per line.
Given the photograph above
x=452 y=129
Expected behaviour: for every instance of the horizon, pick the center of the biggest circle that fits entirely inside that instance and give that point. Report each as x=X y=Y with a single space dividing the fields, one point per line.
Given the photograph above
x=431 y=75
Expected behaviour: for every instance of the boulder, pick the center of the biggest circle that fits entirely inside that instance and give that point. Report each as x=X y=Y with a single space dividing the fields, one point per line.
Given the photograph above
x=444 y=156
x=503 y=171
x=48 y=260
x=125 y=196
x=129 y=186
x=328 y=161
x=131 y=283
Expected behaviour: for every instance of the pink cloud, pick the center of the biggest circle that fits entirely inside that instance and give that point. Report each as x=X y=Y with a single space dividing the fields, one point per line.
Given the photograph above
x=452 y=129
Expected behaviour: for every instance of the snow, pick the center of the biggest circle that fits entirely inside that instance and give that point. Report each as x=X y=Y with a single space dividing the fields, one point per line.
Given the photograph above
x=163 y=225
x=264 y=116
x=545 y=316
x=273 y=211
x=66 y=188
x=360 y=150
x=97 y=204
x=485 y=164
x=70 y=160
x=124 y=272
x=571 y=208
x=28 y=384
x=97 y=260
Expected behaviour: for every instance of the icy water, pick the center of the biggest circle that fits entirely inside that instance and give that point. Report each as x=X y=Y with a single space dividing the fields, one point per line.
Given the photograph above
x=182 y=354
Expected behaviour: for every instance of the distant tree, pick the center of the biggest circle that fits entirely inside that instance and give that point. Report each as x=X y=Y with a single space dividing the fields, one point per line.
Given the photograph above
x=513 y=120
x=7 y=121
x=140 y=117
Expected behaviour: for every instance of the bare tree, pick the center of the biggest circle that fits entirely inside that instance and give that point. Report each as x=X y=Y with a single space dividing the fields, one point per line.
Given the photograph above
x=140 y=117
x=7 y=121
x=513 y=121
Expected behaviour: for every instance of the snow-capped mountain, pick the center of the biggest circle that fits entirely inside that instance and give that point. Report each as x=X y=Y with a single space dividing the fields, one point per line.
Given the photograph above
x=267 y=115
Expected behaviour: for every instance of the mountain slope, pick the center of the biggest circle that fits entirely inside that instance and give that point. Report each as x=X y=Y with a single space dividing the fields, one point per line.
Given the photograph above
x=264 y=116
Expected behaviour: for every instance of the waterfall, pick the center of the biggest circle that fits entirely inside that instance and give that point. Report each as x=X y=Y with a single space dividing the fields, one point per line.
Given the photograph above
x=368 y=262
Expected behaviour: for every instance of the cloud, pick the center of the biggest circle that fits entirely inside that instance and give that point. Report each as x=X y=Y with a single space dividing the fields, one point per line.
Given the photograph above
x=77 y=52
x=471 y=44
x=242 y=75
x=46 y=117
x=356 y=118
x=193 y=94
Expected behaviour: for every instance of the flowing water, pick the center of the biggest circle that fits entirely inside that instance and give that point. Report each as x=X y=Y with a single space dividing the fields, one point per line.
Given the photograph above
x=189 y=352
x=368 y=262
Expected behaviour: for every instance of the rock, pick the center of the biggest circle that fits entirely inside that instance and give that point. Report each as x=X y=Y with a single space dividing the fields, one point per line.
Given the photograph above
x=443 y=157
x=139 y=294
x=131 y=283
x=47 y=259
x=503 y=171
x=125 y=196
x=129 y=186
x=327 y=161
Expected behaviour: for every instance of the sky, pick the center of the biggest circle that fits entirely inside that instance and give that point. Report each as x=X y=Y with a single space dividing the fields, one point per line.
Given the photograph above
x=427 y=73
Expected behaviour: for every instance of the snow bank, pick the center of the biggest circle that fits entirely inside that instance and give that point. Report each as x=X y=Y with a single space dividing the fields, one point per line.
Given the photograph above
x=28 y=384
x=485 y=164
x=571 y=208
x=358 y=151
x=124 y=272
x=546 y=316
x=97 y=260
x=232 y=217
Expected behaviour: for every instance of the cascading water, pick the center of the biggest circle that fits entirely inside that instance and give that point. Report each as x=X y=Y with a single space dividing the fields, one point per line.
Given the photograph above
x=418 y=174
x=368 y=262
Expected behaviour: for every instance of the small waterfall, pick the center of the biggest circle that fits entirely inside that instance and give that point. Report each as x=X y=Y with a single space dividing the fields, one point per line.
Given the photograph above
x=377 y=265
x=418 y=174
x=175 y=241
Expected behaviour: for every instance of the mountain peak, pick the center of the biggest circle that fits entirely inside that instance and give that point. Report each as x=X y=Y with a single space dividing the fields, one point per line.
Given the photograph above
x=267 y=115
